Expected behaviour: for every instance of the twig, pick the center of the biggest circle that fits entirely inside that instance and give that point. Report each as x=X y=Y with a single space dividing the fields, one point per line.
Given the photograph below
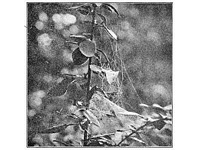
x=102 y=135
x=106 y=57
x=89 y=73
x=141 y=127
x=90 y=59
x=63 y=143
x=55 y=129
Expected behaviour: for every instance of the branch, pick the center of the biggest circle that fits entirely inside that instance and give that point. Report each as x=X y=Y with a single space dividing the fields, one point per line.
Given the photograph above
x=104 y=56
x=89 y=72
x=140 y=128
x=90 y=59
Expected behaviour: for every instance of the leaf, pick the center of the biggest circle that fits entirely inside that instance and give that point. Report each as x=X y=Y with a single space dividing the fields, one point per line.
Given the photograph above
x=111 y=33
x=103 y=18
x=157 y=106
x=60 y=88
x=96 y=68
x=78 y=57
x=128 y=113
x=91 y=117
x=159 y=124
x=111 y=75
x=158 y=109
x=88 y=48
x=138 y=140
x=78 y=38
x=110 y=8
x=168 y=107
x=143 y=105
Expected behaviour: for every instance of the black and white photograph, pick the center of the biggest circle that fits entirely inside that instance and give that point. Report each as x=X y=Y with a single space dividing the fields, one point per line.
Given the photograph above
x=99 y=74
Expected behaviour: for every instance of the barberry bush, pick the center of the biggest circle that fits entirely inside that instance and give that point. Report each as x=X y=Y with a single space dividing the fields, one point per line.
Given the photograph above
x=99 y=74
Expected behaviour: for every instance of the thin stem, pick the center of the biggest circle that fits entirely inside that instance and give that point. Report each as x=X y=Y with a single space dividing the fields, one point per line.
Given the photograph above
x=140 y=128
x=104 y=56
x=89 y=72
x=90 y=59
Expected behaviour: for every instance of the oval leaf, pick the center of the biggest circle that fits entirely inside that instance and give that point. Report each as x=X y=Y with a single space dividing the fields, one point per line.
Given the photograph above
x=88 y=48
x=110 y=8
x=78 y=38
x=111 y=33
x=78 y=57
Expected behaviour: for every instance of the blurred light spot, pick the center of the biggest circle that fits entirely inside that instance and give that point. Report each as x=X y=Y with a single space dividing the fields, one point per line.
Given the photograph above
x=145 y=22
x=67 y=56
x=133 y=36
x=57 y=18
x=154 y=36
x=123 y=9
x=160 y=91
x=40 y=93
x=31 y=113
x=38 y=139
x=44 y=43
x=59 y=26
x=74 y=29
x=163 y=69
x=149 y=69
x=44 y=39
x=48 y=78
x=125 y=25
x=121 y=34
x=134 y=12
x=68 y=19
x=66 y=33
x=36 y=99
x=39 y=25
x=43 y=16
x=125 y=48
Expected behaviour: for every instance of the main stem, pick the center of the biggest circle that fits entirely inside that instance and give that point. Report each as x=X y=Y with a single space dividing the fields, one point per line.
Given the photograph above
x=90 y=59
x=89 y=74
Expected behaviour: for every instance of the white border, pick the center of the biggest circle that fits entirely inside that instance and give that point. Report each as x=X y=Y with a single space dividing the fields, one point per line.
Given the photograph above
x=185 y=74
